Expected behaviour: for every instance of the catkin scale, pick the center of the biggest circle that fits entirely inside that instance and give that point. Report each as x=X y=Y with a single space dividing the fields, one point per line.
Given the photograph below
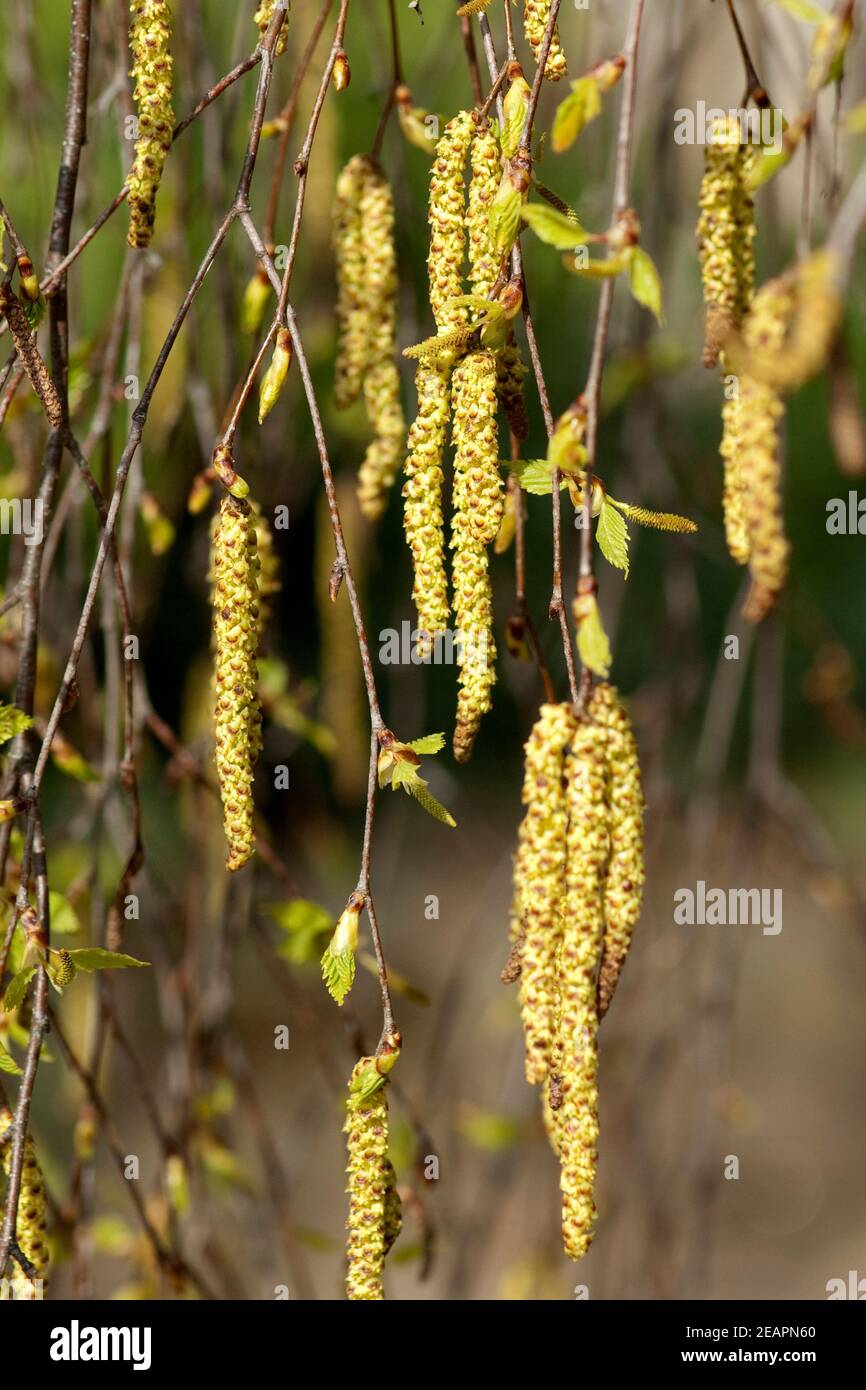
x=536 y=14
x=149 y=39
x=540 y=880
x=372 y=1223
x=237 y=715
x=477 y=514
x=31 y=1221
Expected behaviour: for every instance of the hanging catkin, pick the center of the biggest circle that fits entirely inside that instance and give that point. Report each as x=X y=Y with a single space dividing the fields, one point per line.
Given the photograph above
x=540 y=880
x=263 y=17
x=352 y=301
x=726 y=233
x=536 y=14
x=372 y=1223
x=31 y=1221
x=576 y=1057
x=237 y=715
x=382 y=381
x=422 y=492
x=486 y=171
x=623 y=888
x=149 y=39
x=477 y=514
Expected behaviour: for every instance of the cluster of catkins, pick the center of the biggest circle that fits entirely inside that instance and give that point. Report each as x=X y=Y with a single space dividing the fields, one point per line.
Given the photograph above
x=149 y=40
x=578 y=886
x=465 y=385
x=31 y=1224
x=767 y=343
x=375 y=1209
x=363 y=238
x=536 y=14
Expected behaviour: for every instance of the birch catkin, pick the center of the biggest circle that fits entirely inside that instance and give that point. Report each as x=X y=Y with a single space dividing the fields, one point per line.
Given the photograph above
x=540 y=880
x=623 y=887
x=726 y=233
x=477 y=514
x=31 y=1221
x=263 y=17
x=372 y=1223
x=381 y=382
x=149 y=39
x=536 y=14
x=486 y=169
x=352 y=302
x=237 y=715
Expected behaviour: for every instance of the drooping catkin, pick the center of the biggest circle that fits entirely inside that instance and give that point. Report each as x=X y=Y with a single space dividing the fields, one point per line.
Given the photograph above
x=536 y=13
x=734 y=491
x=372 y=1214
x=31 y=1222
x=623 y=888
x=726 y=233
x=486 y=170
x=382 y=381
x=760 y=412
x=477 y=514
x=540 y=880
x=149 y=40
x=588 y=845
x=446 y=215
x=352 y=299
x=263 y=17
x=237 y=714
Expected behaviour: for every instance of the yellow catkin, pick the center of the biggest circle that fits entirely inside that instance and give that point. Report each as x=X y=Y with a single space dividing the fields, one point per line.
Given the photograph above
x=263 y=16
x=382 y=381
x=371 y=1213
x=149 y=39
x=540 y=880
x=726 y=232
x=447 y=218
x=536 y=13
x=623 y=889
x=31 y=1222
x=760 y=412
x=486 y=169
x=477 y=514
x=237 y=715
x=577 y=1061
x=813 y=311
x=352 y=299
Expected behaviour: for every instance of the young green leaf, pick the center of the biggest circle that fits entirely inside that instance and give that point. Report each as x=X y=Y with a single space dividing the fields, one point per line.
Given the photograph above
x=17 y=988
x=553 y=227
x=299 y=916
x=612 y=536
x=646 y=285
x=592 y=642
x=430 y=743
x=536 y=476
x=581 y=106
x=97 y=958
x=12 y=721
x=8 y=1063
x=338 y=972
x=595 y=270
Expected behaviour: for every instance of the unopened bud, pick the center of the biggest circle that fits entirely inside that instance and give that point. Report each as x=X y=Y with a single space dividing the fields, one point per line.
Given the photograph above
x=341 y=74
x=224 y=467
x=272 y=381
x=255 y=298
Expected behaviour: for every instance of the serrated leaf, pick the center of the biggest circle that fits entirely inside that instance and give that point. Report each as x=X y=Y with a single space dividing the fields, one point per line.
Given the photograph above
x=581 y=106
x=8 y=1063
x=805 y=10
x=612 y=536
x=97 y=958
x=430 y=743
x=402 y=774
x=338 y=973
x=645 y=281
x=535 y=476
x=12 y=721
x=17 y=988
x=422 y=794
x=592 y=642
x=553 y=227
x=64 y=919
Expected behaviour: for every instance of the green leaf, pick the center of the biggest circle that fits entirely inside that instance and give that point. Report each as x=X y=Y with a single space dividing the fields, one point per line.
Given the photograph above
x=338 y=972
x=300 y=916
x=596 y=270
x=553 y=227
x=422 y=794
x=805 y=10
x=12 y=721
x=64 y=919
x=97 y=958
x=612 y=536
x=581 y=106
x=8 y=1064
x=536 y=477
x=592 y=644
x=17 y=988
x=430 y=743
x=646 y=285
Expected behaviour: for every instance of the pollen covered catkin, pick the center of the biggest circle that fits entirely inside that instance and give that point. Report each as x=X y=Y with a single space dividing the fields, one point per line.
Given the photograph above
x=447 y=218
x=149 y=39
x=540 y=880
x=726 y=233
x=588 y=845
x=31 y=1222
x=237 y=715
x=734 y=492
x=623 y=888
x=486 y=169
x=263 y=17
x=477 y=514
x=536 y=13
x=372 y=1223
x=382 y=381
x=352 y=299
